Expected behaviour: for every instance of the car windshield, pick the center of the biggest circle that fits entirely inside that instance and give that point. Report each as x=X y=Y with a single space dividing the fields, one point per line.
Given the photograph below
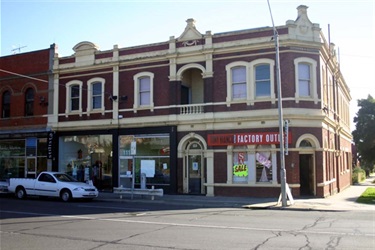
x=64 y=178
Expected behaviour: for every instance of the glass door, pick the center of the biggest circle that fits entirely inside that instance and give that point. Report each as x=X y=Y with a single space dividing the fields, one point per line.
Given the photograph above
x=195 y=174
x=125 y=171
x=30 y=167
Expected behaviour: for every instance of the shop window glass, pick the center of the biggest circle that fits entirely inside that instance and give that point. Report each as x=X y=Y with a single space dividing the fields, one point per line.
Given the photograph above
x=152 y=157
x=87 y=157
x=263 y=164
x=12 y=159
x=240 y=165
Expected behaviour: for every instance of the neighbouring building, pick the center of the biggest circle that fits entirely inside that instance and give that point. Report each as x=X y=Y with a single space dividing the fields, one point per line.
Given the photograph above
x=198 y=114
x=25 y=139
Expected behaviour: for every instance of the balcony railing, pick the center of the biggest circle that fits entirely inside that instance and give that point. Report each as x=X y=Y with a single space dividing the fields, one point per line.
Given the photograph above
x=191 y=109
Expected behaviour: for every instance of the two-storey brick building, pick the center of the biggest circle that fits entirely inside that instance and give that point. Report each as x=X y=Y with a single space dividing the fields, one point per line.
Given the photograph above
x=202 y=112
x=25 y=102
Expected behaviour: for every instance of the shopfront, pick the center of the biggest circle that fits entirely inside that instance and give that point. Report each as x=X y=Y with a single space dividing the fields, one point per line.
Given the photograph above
x=109 y=158
x=87 y=158
x=147 y=154
x=25 y=157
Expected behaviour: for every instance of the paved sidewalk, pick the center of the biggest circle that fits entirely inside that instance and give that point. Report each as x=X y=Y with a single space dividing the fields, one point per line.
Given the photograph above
x=343 y=201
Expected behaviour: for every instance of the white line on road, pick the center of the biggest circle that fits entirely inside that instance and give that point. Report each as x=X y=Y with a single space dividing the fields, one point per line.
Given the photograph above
x=192 y=225
x=116 y=208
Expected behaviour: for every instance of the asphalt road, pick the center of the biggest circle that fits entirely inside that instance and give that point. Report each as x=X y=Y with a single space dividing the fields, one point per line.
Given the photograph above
x=52 y=224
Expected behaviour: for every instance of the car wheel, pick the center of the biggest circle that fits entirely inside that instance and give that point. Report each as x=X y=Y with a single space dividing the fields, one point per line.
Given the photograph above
x=20 y=193
x=66 y=195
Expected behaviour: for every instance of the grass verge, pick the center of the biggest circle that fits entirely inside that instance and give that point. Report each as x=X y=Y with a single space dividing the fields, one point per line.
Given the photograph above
x=367 y=197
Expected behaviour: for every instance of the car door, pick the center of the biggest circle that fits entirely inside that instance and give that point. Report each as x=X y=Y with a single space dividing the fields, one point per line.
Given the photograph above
x=46 y=185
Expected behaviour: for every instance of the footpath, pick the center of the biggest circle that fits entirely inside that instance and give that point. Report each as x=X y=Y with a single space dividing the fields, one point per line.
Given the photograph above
x=343 y=201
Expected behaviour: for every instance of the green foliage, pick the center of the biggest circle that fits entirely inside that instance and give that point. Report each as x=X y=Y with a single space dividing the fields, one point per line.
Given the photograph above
x=364 y=134
x=368 y=197
x=359 y=175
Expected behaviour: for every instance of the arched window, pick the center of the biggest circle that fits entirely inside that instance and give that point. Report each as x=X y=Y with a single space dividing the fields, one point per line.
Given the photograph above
x=29 y=102
x=144 y=90
x=73 y=97
x=5 y=112
x=305 y=144
x=305 y=79
x=262 y=80
x=95 y=94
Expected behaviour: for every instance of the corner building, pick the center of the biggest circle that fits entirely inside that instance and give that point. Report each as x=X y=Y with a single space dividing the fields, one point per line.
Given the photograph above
x=25 y=94
x=202 y=112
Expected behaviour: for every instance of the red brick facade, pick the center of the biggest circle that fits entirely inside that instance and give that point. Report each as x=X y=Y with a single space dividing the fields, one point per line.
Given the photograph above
x=191 y=93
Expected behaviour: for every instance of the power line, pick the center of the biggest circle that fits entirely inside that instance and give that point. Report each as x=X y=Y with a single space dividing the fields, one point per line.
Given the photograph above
x=32 y=78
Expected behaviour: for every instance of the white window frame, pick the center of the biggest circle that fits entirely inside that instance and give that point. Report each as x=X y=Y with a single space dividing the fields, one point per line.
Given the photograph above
x=136 y=105
x=90 y=96
x=250 y=81
x=68 y=108
x=313 y=80
x=228 y=69
x=255 y=63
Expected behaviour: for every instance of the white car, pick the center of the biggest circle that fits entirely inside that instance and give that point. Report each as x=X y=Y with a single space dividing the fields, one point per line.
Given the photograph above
x=52 y=184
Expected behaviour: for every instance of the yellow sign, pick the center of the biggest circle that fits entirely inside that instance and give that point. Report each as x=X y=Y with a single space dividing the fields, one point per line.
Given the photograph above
x=240 y=170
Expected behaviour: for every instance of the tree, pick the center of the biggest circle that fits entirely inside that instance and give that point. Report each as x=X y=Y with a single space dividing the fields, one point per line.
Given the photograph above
x=364 y=134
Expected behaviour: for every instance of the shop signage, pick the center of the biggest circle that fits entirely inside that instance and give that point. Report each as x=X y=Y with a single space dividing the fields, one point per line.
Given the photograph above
x=240 y=170
x=50 y=145
x=245 y=138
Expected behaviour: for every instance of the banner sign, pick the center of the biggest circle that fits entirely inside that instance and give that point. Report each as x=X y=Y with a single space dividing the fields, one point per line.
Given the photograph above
x=263 y=160
x=245 y=139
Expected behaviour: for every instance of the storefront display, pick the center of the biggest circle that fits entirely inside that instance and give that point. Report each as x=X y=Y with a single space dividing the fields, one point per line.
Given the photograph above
x=150 y=156
x=87 y=158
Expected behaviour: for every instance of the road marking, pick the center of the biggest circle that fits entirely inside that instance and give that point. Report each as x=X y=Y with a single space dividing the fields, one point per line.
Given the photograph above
x=194 y=225
x=117 y=208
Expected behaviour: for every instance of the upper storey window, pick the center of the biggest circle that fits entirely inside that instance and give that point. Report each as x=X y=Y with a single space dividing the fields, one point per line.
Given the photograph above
x=73 y=96
x=262 y=80
x=238 y=82
x=5 y=109
x=143 y=90
x=250 y=81
x=95 y=94
x=29 y=102
x=305 y=79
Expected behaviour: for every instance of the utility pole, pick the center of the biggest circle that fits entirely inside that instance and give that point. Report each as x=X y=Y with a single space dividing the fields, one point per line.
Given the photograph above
x=280 y=111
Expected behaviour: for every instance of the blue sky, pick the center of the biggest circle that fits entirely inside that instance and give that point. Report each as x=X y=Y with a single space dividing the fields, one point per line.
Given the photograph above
x=37 y=24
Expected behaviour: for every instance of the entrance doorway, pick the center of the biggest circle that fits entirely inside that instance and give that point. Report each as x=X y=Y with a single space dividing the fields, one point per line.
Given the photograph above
x=126 y=171
x=30 y=168
x=306 y=174
x=194 y=169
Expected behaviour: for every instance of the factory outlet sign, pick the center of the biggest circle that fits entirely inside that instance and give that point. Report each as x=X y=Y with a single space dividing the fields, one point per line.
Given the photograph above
x=245 y=138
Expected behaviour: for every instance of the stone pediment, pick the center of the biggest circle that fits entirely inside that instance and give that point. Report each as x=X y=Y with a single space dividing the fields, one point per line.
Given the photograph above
x=190 y=33
x=84 y=47
x=302 y=28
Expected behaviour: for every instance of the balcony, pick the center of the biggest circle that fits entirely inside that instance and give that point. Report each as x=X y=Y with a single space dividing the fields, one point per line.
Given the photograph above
x=191 y=109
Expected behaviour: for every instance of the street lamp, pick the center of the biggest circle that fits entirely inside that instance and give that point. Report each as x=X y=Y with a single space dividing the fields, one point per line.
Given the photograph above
x=280 y=111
